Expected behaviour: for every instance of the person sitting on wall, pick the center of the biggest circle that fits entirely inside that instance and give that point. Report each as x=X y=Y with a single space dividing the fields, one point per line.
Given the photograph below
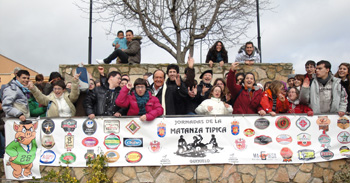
x=217 y=54
x=248 y=54
x=132 y=55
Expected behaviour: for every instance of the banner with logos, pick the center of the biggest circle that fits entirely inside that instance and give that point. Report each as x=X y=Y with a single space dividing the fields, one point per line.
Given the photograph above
x=174 y=141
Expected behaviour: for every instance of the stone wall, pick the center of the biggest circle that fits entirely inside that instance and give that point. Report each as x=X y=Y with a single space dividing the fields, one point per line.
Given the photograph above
x=263 y=72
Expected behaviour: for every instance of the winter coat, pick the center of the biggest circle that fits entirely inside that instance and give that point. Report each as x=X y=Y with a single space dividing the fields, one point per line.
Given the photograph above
x=296 y=107
x=134 y=50
x=212 y=55
x=218 y=107
x=310 y=95
x=153 y=106
x=267 y=103
x=244 y=104
x=35 y=108
x=345 y=85
x=14 y=100
x=51 y=102
x=199 y=96
x=242 y=56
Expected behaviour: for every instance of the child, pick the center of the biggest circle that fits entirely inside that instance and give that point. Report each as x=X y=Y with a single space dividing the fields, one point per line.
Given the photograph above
x=214 y=105
x=120 y=40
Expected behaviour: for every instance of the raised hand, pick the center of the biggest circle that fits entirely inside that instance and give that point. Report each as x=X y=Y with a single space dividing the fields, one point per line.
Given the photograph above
x=306 y=82
x=76 y=76
x=178 y=80
x=210 y=108
x=234 y=66
x=190 y=61
x=211 y=63
x=129 y=85
x=101 y=70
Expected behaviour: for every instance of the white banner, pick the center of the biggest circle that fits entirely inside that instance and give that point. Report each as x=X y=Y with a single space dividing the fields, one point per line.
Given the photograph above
x=175 y=141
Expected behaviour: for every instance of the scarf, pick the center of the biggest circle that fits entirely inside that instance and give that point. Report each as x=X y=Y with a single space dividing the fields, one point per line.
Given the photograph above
x=141 y=102
x=294 y=103
x=274 y=101
x=324 y=81
x=25 y=90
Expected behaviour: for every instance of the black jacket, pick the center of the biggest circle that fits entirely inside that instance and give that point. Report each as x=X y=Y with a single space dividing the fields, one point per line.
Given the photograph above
x=199 y=96
x=101 y=102
x=345 y=84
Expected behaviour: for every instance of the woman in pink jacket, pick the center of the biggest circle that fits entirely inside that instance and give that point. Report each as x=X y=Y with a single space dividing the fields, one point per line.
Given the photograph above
x=140 y=102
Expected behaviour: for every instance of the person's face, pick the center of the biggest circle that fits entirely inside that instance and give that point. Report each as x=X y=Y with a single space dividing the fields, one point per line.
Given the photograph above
x=129 y=36
x=310 y=69
x=158 y=79
x=321 y=71
x=291 y=82
x=220 y=84
x=267 y=87
x=249 y=49
x=207 y=78
x=281 y=91
x=115 y=80
x=297 y=83
x=239 y=79
x=69 y=85
x=292 y=94
x=39 y=82
x=217 y=92
x=91 y=85
x=126 y=77
x=218 y=47
x=249 y=81
x=58 y=91
x=23 y=79
x=140 y=90
x=343 y=71
x=121 y=35
x=172 y=74
x=123 y=83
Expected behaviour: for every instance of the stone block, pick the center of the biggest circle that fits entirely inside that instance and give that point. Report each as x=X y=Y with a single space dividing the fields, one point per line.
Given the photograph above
x=261 y=74
x=279 y=68
x=145 y=177
x=247 y=169
x=336 y=165
x=111 y=171
x=307 y=167
x=271 y=73
x=317 y=172
x=302 y=177
x=228 y=170
x=217 y=69
x=260 y=176
x=171 y=168
x=156 y=170
x=281 y=175
x=248 y=68
x=166 y=177
x=215 y=172
x=274 y=166
x=260 y=166
x=270 y=173
x=79 y=172
x=316 y=180
x=328 y=175
x=292 y=171
x=141 y=169
x=186 y=173
x=202 y=172
x=119 y=177
x=280 y=77
x=130 y=172
x=323 y=164
x=137 y=70
x=236 y=178
x=247 y=178
x=124 y=69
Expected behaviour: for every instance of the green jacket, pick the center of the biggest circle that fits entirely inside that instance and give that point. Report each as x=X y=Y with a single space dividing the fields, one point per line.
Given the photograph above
x=34 y=108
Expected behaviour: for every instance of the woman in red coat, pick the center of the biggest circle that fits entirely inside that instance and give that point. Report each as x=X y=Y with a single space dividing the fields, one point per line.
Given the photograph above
x=140 y=102
x=273 y=101
x=247 y=97
x=294 y=105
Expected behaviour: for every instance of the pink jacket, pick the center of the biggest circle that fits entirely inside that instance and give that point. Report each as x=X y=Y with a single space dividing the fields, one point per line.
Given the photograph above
x=153 y=106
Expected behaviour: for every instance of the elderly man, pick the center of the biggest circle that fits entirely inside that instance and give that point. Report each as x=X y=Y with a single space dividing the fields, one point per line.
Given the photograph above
x=204 y=87
x=248 y=54
x=325 y=94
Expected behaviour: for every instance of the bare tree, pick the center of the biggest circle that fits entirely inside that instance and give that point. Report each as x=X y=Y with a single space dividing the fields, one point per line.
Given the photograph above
x=175 y=25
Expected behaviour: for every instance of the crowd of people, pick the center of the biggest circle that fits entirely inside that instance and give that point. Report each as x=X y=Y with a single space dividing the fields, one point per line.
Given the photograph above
x=166 y=93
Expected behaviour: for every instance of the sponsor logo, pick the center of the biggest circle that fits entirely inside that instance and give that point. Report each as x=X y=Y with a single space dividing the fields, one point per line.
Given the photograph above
x=326 y=154
x=132 y=127
x=249 y=132
x=306 y=154
x=69 y=125
x=165 y=160
x=262 y=123
x=48 y=126
x=343 y=123
x=90 y=154
x=323 y=122
x=286 y=154
x=68 y=158
x=154 y=146
x=235 y=127
x=262 y=140
x=325 y=140
x=111 y=126
x=263 y=155
x=283 y=123
x=304 y=139
x=240 y=144
x=344 y=151
x=112 y=156
x=112 y=141
x=89 y=126
x=133 y=157
x=303 y=123
x=161 y=130
x=48 y=141
x=284 y=139
x=90 y=142
x=48 y=157
x=232 y=158
x=344 y=137
x=69 y=142
x=133 y=142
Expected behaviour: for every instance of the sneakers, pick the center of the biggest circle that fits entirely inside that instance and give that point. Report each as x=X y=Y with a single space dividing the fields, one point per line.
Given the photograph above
x=100 y=61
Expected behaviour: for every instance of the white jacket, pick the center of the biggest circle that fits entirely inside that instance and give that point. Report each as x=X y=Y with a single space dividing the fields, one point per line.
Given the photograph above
x=218 y=107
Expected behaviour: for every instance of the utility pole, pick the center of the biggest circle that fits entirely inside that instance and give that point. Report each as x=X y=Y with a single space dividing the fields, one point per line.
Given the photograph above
x=258 y=21
x=90 y=32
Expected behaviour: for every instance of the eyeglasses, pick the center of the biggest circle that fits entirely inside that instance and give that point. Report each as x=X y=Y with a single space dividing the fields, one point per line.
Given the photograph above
x=140 y=87
x=57 y=89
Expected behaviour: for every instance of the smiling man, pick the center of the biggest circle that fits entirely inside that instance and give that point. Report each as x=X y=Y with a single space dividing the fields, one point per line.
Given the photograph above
x=248 y=54
x=15 y=96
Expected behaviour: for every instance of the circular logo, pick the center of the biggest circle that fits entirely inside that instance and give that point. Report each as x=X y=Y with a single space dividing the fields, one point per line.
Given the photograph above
x=112 y=141
x=283 y=123
x=69 y=125
x=284 y=139
x=343 y=123
x=112 y=156
x=249 y=132
x=133 y=157
x=262 y=123
x=326 y=154
x=68 y=158
x=286 y=154
x=47 y=141
x=344 y=137
x=90 y=142
x=48 y=126
x=303 y=123
x=89 y=126
x=48 y=157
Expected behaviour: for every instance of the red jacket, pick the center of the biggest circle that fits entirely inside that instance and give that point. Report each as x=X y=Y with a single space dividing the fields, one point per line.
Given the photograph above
x=244 y=104
x=153 y=106
x=267 y=103
x=299 y=108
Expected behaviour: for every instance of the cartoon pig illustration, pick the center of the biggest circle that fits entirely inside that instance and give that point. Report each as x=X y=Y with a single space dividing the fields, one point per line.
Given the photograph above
x=22 y=150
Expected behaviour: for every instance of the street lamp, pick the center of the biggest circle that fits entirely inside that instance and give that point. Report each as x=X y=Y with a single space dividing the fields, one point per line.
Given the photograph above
x=258 y=21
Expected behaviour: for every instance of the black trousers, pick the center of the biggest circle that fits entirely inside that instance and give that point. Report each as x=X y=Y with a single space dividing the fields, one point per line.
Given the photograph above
x=117 y=53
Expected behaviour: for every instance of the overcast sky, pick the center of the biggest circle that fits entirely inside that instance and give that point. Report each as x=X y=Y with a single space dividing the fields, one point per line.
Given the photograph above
x=42 y=34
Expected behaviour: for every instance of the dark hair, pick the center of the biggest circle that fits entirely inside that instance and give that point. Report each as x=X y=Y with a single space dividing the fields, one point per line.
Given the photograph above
x=310 y=62
x=124 y=80
x=222 y=95
x=347 y=76
x=267 y=83
x=140 y=81
x=93 y=81
x=296 y=91
x=326 y=64
x=20 y=72
x=219 y=79
x=214 y=52
x=249 y=42
x=172 y=66
x=300 y=77
x=240 y=74
x=290 y=79
x=59 y=83
x=159 y=70
x=55 y=75
x=120 y=32
x=148 y=74
x=113 y=74
x=246 y=76
x=130 y=31
x=39 y=77
x=125 y=75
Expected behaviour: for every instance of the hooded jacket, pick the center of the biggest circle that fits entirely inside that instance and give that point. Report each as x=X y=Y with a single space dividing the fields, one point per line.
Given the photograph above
x=134 y=50
x=243 y=56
